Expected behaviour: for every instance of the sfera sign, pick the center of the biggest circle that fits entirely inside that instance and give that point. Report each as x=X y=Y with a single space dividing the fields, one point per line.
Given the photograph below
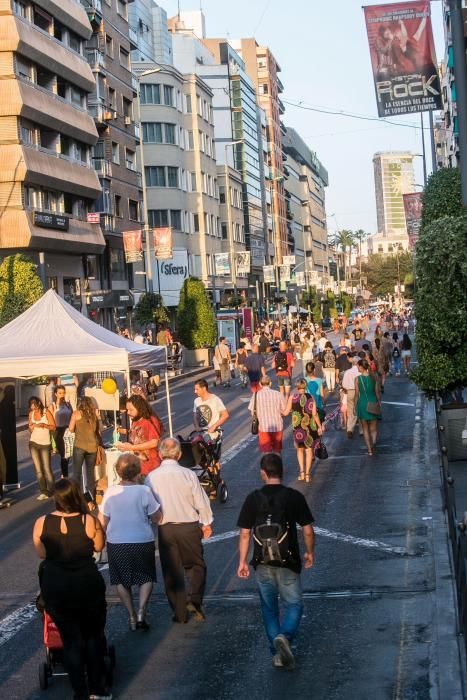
x=171 y=274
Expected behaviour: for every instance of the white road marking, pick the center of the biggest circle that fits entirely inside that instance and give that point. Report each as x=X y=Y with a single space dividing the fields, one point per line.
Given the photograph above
x=234 y=451
x=398 y=403
x=12 y=624
x=360 y=541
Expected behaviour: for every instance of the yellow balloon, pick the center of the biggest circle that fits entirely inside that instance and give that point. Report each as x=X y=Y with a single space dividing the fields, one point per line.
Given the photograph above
x=109 y=385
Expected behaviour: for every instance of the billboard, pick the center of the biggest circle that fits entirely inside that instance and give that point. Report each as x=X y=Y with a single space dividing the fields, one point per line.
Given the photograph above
x=403 y=58
x=413 y=216
x=222 y=264
x=243 y=262
x=163 y=243
x=268 y=273
x=170 y=275
x=133 y=246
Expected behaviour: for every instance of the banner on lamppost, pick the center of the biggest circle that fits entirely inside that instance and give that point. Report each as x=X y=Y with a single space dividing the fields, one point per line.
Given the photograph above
x=133 y=245
x=222 y=264
x=300 y=279
x=284 y=273
x=243 y=260
x=247 y=313
x=413 y=216
x=268 y=274
x=403 y=58
x=163 y=243
x=288 y=260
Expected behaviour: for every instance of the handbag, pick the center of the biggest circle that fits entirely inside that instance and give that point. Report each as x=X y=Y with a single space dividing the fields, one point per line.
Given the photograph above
x=372 y=407
x=321 y=451
x=68 y=441
x=254 y=420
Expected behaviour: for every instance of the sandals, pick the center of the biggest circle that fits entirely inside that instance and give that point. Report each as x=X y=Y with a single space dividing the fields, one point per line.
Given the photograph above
x=301 y=476
x=308 y=478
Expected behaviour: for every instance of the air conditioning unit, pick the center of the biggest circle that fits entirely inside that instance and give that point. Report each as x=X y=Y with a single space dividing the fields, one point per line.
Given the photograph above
x=128 y=121
x=108 y=115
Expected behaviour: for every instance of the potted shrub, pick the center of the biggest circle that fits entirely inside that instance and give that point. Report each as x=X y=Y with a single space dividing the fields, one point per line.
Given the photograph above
x=196 y=323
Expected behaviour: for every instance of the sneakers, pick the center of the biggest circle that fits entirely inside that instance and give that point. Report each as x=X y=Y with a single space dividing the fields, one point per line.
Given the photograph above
x=350 y=434
x=107 y=696
x=277 y=661
x=196 y=611
x=42 y=497
x=282 y=646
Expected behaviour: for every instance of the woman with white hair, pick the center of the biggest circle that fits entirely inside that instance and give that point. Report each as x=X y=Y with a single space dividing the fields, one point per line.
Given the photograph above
x=126 y=513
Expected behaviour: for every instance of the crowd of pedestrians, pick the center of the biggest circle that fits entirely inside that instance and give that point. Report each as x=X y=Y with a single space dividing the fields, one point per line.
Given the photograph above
x=153 y=489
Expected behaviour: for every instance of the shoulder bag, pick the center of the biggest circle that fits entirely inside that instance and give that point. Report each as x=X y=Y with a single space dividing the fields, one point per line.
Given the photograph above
x=371 y=406
x=254 y=420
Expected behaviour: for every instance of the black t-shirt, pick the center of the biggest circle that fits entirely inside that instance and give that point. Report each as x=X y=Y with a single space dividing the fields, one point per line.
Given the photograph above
x=357 y=333
x=263 y=344
x=342 y=363
x=297 y=511
x=254 y=363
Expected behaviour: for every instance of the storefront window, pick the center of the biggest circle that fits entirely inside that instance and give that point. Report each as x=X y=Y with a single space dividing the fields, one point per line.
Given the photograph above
x=117 y=264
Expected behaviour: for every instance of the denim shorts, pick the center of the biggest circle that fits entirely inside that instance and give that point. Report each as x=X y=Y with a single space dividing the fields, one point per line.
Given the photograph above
x=284 y=381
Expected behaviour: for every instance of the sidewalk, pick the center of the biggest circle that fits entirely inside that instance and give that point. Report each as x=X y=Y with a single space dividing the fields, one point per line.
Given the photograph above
x=22 y=421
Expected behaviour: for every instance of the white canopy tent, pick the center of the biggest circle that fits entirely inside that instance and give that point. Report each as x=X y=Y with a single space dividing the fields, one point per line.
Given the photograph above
x=53 y=338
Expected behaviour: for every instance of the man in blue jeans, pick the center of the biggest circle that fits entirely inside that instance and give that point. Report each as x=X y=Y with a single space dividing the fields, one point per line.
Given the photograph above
x=277 y=581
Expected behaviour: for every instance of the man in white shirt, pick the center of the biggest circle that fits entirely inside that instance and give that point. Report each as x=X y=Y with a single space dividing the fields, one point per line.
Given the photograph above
x=186 y=514
x=209 y=411
x=268 y=404
x=348 y=384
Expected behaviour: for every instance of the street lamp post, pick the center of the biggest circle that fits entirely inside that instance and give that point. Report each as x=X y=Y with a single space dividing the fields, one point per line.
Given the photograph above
x=149 y=280
x=233 y=267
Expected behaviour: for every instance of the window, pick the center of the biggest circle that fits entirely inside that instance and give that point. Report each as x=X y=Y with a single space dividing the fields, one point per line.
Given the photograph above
x=112 y=98
x=74 y=41
x=48 y=139
x=118 y=206
x=19 y=8
x=117 y=264
x=202 y=141
x=169 y=133
x=41 y=19
x=133 y=210
x=168 y=95
x=23 y=67
x=222 y=195
x=59 y=32
x=130 y=159
x=191 y=141
x=152 y=132
x=155 y=176
x=124 y=58
x=122 y=9
x=196 y=222
x=199 y=105
x=176 y=219
x=109 y=46
x=158 y=218
x=127 y=109
x=150 y=94
x=45 y=78
x=193 y=182
x=27 y=135
x=172 y=177
x=76 y=97
x=115 y=153
x=188 y=103
x=224 y=231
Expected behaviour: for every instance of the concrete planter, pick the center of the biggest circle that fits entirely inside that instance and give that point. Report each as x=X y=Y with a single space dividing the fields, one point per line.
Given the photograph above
x=453 y=418
x=197 y=358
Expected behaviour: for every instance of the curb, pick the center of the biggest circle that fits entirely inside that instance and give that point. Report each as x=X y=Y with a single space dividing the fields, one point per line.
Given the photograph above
x=22 y=423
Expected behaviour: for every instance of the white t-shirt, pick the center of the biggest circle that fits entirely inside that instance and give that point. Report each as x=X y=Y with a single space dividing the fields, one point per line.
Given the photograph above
x=128 y=509
x=208 y=411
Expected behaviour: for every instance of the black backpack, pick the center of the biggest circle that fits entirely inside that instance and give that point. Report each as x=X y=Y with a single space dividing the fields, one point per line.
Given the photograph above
x=395 y=352
x=281 y=362
x=272 y=530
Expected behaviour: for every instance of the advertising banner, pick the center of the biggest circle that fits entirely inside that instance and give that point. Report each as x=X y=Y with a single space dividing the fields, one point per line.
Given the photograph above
x=243 y=262
x=248 y=322
x=171 y=276
x=288 y=259
x=268 y=274
x=163 y=243
x=413 y=216
x=300 y=279
x=403 y=58
x=222 y=264
x=93 y=217
x=133 y=246
x=284 y=273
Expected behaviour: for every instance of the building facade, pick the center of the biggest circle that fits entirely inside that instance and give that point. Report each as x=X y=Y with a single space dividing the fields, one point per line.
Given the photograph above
x=306 y=207
x=154 y=42
x=47 y=184
x=114 y=156
x=394 y=176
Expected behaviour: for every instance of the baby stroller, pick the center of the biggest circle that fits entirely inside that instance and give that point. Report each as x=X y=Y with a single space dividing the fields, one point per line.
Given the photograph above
x=174 y=359
x=54 y=655
x=201 y=454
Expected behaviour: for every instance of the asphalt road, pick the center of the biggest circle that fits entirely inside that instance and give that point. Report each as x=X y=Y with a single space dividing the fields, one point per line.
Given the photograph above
x=368 y=631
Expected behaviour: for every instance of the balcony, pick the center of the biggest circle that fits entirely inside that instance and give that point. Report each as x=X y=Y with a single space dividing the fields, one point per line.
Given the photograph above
x=280 y=86
x=108 y=223
x=94 y=11
x=95 y=58
x=134 y=84
x=281 y=107
x=100 y=114
x=137 y=132
x=133 y=37
x=102 y=167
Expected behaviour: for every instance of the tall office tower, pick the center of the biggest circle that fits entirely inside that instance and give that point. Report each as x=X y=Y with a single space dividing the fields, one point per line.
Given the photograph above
x=47 y=183
x=154 y=40
x=114 y=157
x=394 y=176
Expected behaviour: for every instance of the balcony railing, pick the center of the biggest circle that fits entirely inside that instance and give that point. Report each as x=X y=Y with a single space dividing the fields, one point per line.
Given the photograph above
x=108 y=222
x=95 y=58
x=137 y=132
x=102 y=167
x=134 y=83
x=133 y=37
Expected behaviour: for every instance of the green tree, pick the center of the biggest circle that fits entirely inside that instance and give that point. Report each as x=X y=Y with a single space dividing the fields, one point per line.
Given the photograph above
x=310 y=298
x=20 y=286
x=344 y=240
x=346 y=303
x=442 y=196
x=150 y=309
x=381 y=272
x=196 y=323
x=441 y=304
x=331 y=299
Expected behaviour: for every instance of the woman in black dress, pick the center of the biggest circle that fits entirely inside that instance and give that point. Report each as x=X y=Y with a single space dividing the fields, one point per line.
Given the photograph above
x=72 y=588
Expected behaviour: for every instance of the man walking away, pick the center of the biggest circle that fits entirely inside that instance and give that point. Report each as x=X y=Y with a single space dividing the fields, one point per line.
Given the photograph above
x=283 y=362
x=223 y=357
x=186 y=518
x=268 y=514
x=255 y=367
x=348 y=385
x=269 y=405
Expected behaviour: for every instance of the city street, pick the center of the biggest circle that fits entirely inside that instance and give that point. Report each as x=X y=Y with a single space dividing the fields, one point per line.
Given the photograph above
x=371 y=628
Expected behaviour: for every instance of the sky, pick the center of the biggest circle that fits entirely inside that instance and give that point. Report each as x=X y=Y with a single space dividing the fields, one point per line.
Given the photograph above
x=322 y=48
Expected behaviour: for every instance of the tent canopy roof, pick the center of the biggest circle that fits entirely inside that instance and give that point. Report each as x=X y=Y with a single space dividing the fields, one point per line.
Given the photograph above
x=52 y=337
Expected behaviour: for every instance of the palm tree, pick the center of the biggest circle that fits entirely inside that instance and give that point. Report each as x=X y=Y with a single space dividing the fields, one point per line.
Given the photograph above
x=344 y=240
x=360 y=236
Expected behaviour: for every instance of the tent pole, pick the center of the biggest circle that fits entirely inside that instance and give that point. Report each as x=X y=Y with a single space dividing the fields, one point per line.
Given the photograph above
x=128 y=383
x=169 y=408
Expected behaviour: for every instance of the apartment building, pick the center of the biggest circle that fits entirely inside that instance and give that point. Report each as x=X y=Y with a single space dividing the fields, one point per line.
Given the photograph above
x=114 y=156
x=154 y=42
x=394 y=176
x=180 y=168
x=306 y=207
x=47 y=183
x=264 y=70
x=230 y=186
